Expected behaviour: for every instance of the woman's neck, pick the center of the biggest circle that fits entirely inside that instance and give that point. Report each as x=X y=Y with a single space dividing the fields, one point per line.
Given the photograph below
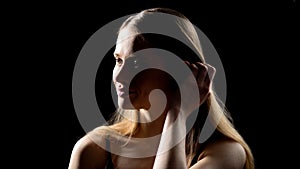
x=150 y=125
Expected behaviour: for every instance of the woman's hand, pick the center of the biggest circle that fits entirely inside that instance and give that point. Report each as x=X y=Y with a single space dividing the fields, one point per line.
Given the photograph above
x=200 y=79
x=203 y=73
x=174 y=129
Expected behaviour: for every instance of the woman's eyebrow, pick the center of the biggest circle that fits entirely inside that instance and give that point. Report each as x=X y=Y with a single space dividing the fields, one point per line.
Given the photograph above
x=116 y=55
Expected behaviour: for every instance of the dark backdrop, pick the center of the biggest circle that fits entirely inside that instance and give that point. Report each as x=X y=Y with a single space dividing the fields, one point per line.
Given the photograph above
x=255 y=42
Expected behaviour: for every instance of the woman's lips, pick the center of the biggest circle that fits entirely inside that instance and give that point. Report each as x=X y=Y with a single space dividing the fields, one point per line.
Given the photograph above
x=124 y=93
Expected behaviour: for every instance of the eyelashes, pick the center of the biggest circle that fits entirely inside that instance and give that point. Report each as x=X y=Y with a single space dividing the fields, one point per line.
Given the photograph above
x=119 y=61
x=132 y=62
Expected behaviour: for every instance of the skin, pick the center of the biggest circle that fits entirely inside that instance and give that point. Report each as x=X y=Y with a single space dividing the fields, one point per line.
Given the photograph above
x=221 y=154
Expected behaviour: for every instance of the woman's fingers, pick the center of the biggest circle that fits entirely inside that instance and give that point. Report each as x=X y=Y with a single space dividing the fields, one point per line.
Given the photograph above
x=193 y=68
x=204 y=74
x=207 y=73
x=211 y=71
x=206 y=82
x=202 y=70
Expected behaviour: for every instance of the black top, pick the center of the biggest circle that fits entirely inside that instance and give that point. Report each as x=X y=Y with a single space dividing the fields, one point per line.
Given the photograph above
x=109 y=164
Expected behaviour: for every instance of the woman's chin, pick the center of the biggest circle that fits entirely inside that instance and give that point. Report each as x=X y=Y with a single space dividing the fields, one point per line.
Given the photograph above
x=125 y=104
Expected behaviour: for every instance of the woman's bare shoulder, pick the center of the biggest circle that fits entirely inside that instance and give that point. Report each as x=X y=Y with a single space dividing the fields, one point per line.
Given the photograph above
x=89 y=151
x=222 y=153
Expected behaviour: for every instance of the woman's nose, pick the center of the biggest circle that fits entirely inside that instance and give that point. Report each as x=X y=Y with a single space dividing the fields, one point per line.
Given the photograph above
x=122 y=74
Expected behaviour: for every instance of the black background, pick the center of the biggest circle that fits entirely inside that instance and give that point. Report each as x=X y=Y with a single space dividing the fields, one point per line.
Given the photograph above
x=255 y=42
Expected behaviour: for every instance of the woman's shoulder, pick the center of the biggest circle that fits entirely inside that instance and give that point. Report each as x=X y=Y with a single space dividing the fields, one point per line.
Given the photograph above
x=94 y=140
x=96 y=137
x=84 y=143
x=224 y=152
x=226 y=147
x=89 y=151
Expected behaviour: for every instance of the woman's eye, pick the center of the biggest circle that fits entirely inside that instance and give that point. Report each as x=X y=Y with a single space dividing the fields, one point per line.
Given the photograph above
x=119 y=61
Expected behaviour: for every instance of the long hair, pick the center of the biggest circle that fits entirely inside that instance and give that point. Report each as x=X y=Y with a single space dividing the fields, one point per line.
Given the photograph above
x=213 y=106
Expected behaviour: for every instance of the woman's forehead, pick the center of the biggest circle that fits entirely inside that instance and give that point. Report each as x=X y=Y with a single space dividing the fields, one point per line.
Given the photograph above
x=128 y=43
x=126 y=33
x=131 y=45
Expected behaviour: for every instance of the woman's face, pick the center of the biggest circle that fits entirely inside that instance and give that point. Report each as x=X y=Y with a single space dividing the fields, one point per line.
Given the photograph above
x=133 y=85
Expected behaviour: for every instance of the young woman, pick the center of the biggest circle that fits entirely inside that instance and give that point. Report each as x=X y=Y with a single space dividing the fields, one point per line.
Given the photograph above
x=151 y=129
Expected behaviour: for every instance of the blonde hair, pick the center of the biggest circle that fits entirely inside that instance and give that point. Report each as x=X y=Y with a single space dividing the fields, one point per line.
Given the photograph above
x=218 y=113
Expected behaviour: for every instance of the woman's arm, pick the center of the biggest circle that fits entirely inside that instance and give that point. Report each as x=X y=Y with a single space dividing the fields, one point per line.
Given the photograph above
x=222 y=154
x=87 y=154
x=171 y=151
